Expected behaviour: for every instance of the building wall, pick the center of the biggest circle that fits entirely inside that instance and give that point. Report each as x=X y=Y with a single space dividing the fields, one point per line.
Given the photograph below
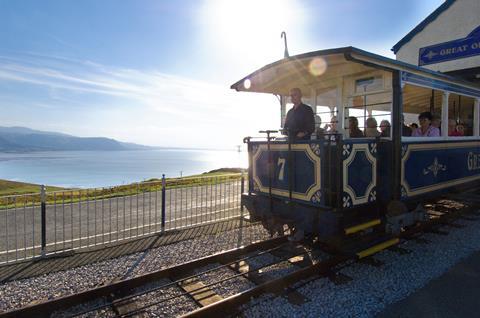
x=461 y=18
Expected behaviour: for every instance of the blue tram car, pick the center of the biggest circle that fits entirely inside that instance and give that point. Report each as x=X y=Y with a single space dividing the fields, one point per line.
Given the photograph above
x=334 y=186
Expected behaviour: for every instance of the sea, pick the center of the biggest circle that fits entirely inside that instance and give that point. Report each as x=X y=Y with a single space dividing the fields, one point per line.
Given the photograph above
x=91 y=169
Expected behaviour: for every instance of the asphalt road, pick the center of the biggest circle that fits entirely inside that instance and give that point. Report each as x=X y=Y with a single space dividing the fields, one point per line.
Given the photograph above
x=454 y=294
x=93 y=222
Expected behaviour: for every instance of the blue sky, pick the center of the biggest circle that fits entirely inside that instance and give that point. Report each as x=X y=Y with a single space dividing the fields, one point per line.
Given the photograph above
x=159 y=72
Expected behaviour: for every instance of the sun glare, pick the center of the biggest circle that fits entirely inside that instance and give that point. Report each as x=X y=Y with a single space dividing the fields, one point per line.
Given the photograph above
x=251 y=28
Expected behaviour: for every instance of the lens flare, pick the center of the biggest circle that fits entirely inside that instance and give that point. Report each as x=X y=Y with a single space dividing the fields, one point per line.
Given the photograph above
x=317 y=66
x=247 y=84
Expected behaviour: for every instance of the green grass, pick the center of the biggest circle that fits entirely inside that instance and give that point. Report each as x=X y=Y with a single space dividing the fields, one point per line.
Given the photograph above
x=29 y=194
x=13 y=187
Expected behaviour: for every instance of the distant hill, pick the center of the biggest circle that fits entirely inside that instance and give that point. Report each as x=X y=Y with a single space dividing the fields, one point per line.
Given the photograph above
x=26 y=139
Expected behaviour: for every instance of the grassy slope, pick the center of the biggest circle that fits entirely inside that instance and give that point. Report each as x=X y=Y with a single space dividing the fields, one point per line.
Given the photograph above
x=12 y=187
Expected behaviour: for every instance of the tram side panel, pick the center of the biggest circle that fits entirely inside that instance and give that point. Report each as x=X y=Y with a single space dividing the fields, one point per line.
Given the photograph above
x=429 y=168
x=314 y=185
x=287 y=185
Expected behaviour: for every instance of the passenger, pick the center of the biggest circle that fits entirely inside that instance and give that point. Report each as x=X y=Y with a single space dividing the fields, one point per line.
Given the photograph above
x=406 y=131
x=371 y=129
x=355 y=132
x=413 y=126
x=452 y=128
x=385 y=128
x=319 y=132
x=437 y=123
x=426 y=129
x=299 y=123
x=331 y=128
x=460 y=129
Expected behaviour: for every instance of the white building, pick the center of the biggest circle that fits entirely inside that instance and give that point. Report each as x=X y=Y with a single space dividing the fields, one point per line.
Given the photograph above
x=448 y=40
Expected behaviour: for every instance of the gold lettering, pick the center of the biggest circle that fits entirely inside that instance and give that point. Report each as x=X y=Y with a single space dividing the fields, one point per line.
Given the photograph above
x=473 y=161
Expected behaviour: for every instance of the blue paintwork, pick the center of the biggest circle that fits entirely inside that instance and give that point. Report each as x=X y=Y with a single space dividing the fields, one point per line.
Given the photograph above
x=434 y=166
x=304 y=164
x=452 y=50
x=359 y=164
x=360 y=174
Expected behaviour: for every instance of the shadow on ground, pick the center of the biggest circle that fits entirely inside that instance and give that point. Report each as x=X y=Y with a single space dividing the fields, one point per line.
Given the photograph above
x=87 y=256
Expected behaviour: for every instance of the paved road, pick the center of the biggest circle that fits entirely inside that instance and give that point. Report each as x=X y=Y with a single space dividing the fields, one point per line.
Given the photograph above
x=454 y=294
x=100 y=221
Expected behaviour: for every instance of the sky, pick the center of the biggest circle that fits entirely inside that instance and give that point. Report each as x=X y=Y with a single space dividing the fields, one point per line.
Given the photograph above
x=158 y=72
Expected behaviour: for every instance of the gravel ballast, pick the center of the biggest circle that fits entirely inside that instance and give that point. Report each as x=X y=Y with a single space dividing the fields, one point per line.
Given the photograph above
x=374 y=288
x=370 y=291
x=19 y=293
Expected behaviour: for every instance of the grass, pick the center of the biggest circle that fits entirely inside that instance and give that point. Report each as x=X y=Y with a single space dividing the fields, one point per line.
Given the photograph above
x=27 y=194
x=13 y=187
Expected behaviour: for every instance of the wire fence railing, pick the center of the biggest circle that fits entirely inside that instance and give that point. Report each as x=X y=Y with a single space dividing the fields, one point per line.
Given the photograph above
x=46 y=223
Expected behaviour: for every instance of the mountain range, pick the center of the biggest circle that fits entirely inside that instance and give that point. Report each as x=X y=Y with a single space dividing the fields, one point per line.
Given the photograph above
x=25 y=139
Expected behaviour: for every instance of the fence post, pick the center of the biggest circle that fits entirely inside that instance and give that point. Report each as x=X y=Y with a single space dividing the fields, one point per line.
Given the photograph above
x=164 y=185
x=242 y=189
x=43 y=208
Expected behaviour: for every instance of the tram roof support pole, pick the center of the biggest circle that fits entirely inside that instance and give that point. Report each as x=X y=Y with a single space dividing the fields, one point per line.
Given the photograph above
x=444 y=127
x=397 y=122
x=476 y=117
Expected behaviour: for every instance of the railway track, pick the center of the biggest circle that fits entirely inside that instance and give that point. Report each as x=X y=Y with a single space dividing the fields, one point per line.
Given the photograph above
x=252 y=266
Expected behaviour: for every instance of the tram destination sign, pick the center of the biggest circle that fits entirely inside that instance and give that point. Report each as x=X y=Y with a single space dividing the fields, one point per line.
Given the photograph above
x=452 y=50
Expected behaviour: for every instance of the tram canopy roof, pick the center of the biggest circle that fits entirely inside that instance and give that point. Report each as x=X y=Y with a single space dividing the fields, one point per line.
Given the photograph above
x=324 y=68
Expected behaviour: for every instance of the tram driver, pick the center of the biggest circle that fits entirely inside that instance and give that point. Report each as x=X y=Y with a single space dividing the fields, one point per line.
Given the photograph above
x=299 y=123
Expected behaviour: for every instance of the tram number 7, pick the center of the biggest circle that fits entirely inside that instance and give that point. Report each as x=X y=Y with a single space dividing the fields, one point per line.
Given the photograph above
x=281 y=173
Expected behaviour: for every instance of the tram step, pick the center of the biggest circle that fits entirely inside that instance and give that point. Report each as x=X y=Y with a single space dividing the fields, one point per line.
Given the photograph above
x=377 y=248
x=361 y=227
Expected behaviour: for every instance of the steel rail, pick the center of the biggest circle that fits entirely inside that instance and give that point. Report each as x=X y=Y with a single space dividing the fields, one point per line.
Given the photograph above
x=185 y=278
x=124 y=287
x=229 y=305
x=202 y=288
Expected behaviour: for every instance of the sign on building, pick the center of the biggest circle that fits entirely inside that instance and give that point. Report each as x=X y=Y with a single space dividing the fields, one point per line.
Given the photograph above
x=451 y=50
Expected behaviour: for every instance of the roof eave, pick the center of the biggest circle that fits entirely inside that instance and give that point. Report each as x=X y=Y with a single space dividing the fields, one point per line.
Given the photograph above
x=422 y=25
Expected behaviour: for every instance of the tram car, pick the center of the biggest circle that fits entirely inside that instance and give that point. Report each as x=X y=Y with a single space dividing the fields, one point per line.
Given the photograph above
x=334 y=186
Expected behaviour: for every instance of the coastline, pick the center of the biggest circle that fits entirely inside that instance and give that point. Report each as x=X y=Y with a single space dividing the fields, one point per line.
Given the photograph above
x=9 y=187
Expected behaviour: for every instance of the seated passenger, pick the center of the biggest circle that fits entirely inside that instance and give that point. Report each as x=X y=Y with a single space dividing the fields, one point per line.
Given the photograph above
x=426 y=129
x=452 y=128
x=413 y=126
x=460 y=129
x=331 y=128
x=319 y=132
x=406 y=131
x=385 y=128
x=355 y=132
x=371 y=129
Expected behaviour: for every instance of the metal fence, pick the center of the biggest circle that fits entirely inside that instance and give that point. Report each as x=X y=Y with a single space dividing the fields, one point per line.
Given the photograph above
x=35 y=225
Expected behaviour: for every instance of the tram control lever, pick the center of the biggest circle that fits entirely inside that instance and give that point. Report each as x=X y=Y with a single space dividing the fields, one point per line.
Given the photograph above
x=268 y=132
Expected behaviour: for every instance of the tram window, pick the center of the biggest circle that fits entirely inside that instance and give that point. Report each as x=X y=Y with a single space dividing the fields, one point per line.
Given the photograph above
x=417 y=100
x=374 y=105
x=326 y=105
x=460 y=115
x=326 y=113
